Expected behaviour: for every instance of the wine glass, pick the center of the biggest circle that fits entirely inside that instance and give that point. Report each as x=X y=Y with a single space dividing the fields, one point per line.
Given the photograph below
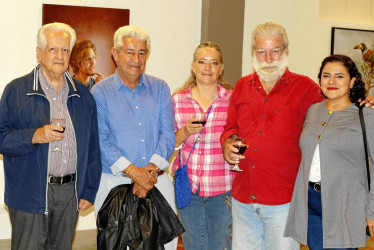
x=241 y=145
x=200 y=119
x=62 y=123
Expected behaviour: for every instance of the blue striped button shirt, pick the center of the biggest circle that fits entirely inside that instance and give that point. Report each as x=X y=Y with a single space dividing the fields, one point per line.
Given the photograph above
x=135 y=126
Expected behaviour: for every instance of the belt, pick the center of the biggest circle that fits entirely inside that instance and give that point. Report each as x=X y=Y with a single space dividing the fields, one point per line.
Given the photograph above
x=59 y=180
x=315 y=185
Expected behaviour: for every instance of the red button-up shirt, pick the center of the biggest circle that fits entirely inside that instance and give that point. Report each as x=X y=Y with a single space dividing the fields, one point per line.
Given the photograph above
x=272 y=124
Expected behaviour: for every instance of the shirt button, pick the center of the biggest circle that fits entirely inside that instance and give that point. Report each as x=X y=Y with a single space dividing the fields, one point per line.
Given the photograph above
x=143 y=158
x=255 y=149
x=323 y=123
x=140 y=123
x=142 y=140
x=319 y=137
x=136 y=107
x=266 y=99
x=254 y=166
x=54 y=99
x=263 y=116
x=259 y=132
x=253 y=197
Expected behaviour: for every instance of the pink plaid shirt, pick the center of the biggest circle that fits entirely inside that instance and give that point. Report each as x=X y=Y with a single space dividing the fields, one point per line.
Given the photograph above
x=206 y=166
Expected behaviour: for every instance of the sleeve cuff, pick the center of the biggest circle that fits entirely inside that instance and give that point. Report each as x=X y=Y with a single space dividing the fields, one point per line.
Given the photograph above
x=119 y=166
x=159 y=161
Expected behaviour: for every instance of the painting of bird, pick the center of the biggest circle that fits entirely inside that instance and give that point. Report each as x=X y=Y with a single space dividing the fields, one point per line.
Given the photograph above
x=367 y=54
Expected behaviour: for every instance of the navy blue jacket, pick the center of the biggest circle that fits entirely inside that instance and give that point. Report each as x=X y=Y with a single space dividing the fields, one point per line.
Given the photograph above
x=23 y=109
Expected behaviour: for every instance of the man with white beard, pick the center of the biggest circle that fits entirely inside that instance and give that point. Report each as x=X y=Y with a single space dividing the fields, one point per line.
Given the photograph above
x=267 y=108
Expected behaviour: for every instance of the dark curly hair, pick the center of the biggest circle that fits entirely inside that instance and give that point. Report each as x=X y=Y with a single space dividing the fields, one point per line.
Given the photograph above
x=358 y=90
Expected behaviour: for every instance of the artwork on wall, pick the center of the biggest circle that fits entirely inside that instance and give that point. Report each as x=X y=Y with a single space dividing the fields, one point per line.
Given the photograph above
x=96 y=24
x=358 y=45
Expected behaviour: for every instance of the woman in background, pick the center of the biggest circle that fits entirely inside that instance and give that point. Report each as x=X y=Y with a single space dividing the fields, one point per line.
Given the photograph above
x=331 y=205
x=83 y=63
x=207 y=219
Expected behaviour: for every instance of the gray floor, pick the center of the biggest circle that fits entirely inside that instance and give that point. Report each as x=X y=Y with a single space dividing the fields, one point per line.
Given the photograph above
x=84 y=240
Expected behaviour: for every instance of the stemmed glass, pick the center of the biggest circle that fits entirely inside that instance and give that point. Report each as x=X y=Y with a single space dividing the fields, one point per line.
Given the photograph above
x=62 y=123
x=200 y=119
x=241 y=145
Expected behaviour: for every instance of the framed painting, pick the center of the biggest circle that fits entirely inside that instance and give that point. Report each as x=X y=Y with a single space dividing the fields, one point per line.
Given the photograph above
x=96 y=24
x=358 y=45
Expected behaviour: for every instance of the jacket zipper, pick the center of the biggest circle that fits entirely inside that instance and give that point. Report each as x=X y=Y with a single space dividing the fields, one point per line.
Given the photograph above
x=76 y=155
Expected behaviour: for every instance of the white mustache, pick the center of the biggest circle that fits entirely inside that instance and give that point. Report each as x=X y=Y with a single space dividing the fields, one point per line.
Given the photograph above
x=270 y=71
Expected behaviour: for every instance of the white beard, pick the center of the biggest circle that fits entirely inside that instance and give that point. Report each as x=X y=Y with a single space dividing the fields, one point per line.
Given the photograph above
x=270 y=72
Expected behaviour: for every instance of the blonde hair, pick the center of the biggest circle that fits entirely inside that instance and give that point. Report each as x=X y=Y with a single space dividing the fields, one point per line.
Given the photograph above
x=191 y=81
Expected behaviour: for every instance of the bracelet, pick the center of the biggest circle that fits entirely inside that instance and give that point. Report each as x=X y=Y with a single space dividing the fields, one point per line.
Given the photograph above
x=129 y=168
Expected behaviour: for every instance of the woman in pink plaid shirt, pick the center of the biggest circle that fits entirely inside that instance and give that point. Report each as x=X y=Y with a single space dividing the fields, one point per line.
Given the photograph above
x=207 y=218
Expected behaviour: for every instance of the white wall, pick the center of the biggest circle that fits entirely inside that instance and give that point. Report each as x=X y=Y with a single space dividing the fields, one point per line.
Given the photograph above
x=309 y=36
x=173 y=25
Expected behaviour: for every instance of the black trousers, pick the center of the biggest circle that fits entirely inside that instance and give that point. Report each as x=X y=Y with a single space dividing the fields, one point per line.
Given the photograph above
x=52 y=231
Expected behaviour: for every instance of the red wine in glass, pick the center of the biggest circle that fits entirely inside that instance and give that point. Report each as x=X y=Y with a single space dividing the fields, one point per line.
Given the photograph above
x=62 y=123
x=241 y=148
x=59 y=122
x=202 y=122
x=241 y=145
x=63 y=130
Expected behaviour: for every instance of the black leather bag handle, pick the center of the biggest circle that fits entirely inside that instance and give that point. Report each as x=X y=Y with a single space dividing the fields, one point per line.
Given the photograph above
x=362 y=121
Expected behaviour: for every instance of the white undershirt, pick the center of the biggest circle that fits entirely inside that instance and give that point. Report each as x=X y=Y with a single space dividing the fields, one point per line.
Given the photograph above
x=315 y=170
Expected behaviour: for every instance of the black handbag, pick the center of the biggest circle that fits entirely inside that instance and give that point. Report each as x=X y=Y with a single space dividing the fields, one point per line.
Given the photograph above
x=366 y=153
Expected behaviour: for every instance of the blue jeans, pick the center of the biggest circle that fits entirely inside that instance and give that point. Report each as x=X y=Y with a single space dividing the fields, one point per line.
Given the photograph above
x=257 y=226
x=207 y=221
x=315 y=235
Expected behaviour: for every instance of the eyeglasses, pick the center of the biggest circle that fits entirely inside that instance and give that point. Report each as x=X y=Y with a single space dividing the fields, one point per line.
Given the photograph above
x=273 y=52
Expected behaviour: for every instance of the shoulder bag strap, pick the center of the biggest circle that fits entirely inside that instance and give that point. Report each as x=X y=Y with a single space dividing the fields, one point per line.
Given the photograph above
x=180 y=165
x=362 y=121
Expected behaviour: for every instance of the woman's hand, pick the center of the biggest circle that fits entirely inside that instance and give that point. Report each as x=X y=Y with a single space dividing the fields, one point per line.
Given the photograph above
x=191 y=128
x=368 y=102
x=370 y=224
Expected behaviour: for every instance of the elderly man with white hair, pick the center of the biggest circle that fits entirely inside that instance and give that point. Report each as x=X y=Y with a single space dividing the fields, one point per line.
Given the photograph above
x=267 y=108
x=136 y=122
x=51 y=170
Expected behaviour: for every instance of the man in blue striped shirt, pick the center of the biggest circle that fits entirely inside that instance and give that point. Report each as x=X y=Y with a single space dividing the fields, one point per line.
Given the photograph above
x=136 y=122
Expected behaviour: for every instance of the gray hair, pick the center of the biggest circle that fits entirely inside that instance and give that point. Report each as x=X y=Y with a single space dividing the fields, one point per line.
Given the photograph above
x=41 y=40
x=134 y=32
x=267 y=29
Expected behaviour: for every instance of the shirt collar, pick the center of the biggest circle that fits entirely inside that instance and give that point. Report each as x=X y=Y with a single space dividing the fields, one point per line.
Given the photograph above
x=47 y=85
x=286 y=78
x=221 y=92
x=36 y=87
x=119 y=83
